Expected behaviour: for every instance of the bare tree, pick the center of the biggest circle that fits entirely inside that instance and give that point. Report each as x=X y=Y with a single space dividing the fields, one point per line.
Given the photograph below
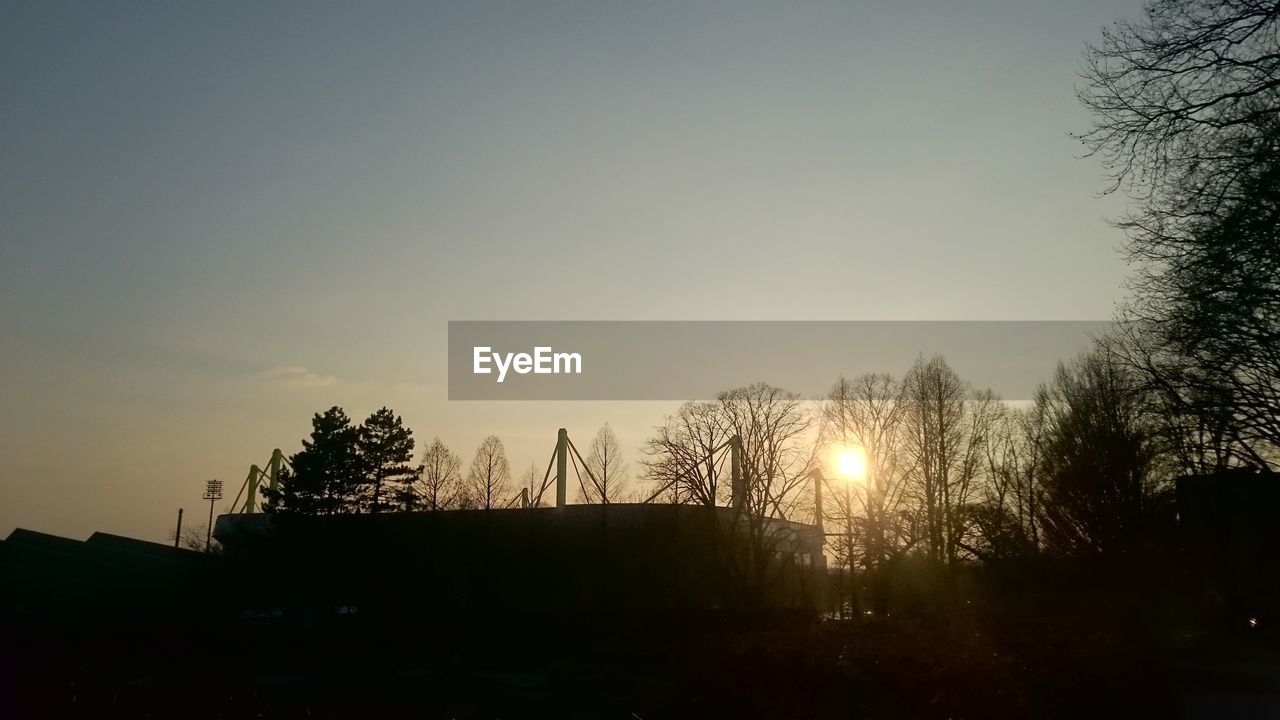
x=688 y=456
x=984 y=413
x=688 y=453
x=1186 y=108
x=770 y=426
x=777 y=454
x=196 y=537
x=1009 y=519
x=532 y=481
x=1205 y=332
x=777 y=459
x=1101 y=475
x=439 y=477
x=607 y=481
x=1194 y=410
x=490 y=475
x=681 y=456
x=1183 y=100
x=868 y=412
x=947 y=427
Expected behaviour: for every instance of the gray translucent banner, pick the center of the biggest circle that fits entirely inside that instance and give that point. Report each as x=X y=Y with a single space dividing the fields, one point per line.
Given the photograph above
x=669 y=360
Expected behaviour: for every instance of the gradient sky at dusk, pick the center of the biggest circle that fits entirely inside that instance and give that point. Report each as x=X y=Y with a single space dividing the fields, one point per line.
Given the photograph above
x=218 y=218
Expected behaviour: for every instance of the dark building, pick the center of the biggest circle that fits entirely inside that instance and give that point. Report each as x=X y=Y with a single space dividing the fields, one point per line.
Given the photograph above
x=85 y=623
x=1229 y=536
x=422 y=610
x=618 y=559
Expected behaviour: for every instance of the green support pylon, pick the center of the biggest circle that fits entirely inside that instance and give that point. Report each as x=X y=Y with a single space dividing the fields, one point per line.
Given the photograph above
x=562 y=466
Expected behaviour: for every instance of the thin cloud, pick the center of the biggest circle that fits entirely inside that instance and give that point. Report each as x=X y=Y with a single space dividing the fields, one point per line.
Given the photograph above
x=294 y=376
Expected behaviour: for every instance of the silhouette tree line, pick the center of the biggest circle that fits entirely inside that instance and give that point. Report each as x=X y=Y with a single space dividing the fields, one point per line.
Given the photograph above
x=957 y=477
x=368 y=468
x=1186 y=117
x=954 y=476
x=346 y=468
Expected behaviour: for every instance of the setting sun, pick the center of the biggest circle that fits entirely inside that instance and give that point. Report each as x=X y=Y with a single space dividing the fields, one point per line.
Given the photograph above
x=851 y=463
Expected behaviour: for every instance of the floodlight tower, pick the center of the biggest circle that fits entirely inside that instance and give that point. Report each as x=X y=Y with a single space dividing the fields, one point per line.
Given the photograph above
x=212 y=493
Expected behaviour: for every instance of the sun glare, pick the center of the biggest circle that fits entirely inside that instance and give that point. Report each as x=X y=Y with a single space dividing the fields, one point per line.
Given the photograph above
x=851 y=463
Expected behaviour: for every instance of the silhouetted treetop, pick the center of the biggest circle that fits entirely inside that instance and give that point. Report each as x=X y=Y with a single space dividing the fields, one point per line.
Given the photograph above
x=1184 y=98
x=325 y=476
x=386 y=451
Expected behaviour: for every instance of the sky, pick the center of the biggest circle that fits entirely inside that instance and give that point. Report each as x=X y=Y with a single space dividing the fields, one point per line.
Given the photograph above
x=219 y=218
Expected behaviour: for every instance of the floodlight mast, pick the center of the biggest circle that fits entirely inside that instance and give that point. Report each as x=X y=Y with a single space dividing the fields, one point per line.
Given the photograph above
x=212 y=493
